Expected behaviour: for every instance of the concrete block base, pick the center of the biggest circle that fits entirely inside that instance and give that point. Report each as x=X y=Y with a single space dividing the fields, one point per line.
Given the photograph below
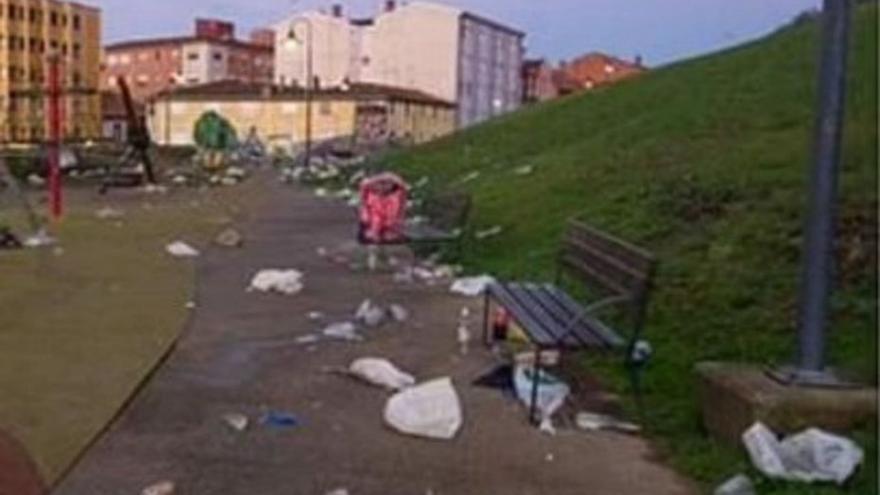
x=734 y=396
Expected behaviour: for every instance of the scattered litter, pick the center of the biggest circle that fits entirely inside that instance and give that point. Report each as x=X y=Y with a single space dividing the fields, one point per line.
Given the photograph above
x=161 y=488
x=422 y=182
x=338 y=491
x=236 y=172
x=155 y=189
x=342 y=331
x=808 y=456
x=430 y=410
x=321 y=192
x=472 y=286
x=277 y=419
x=398 y=312
x=589 y=421
x=524 y=170
x=463 y=335
x=552 y=391
x=547 y=427
x=238 y=422
x=370 y=314
x=322 y=252
x=307 y=339
x=230 y=238
x=229 y=181
x=179 y=180
x=499 y=378
x=108 y=213
x=470 y=177
x=382 y=373
x=180 y=249
x=315 y=315
x=40 y=239
x=8 y=240
x=287 y=282
x=488 y=233
x=190 y=305
x=35 y=180
x=738 y=485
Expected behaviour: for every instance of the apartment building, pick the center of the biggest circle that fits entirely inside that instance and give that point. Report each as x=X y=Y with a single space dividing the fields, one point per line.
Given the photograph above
x=212 y=53
x=30 y=33
x=447 y=52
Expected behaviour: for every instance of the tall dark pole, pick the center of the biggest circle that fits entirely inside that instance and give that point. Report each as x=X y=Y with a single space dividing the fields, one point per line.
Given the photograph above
x=819 y=240
x=309 y=88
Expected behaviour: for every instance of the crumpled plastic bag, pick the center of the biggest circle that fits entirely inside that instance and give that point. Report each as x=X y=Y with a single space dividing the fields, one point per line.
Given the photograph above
x=552 y=391
x=382 y=373
x=342 y=331
x=287 y=282
x=180 y=249
x=370 y=314
x=472 y=286
x=808 y=456
x=430 y=410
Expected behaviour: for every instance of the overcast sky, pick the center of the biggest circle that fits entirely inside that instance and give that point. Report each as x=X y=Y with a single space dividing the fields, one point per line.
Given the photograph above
x=660 y=30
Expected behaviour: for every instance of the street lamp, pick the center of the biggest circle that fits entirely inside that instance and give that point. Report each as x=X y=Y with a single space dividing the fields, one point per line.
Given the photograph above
x=293 y=42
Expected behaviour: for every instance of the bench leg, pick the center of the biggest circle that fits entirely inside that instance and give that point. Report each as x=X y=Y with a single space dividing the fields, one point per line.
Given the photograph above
x=533 y=409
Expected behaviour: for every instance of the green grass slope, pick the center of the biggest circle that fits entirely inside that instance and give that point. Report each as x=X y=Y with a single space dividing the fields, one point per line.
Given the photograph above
x=704 y=163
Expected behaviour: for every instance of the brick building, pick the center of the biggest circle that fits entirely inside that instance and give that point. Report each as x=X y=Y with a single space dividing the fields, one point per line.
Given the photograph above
x=539 y=81
x=30 y=33
x=597 y=69
x=211 y=54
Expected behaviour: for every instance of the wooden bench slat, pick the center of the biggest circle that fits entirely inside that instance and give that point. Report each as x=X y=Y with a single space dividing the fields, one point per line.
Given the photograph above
x=525 y=295
x=608 y=263
x=608 y=336
x=632 y=254
x=535 y=328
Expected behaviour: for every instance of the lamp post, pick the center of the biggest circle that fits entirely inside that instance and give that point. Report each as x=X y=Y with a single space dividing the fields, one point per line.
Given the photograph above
x=293 y=42
x=818 y=242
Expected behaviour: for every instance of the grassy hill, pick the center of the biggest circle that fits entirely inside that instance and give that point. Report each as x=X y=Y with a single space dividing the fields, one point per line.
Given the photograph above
x=704 y=163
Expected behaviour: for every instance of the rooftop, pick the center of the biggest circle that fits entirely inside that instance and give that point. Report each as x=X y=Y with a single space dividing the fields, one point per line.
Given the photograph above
x=238 y=90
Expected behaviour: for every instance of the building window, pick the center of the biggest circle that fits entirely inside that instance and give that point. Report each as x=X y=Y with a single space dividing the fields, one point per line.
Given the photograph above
x=76 y=50
x=76 y=22
x=192 y=56
x=217 y=56
x=53 y=18
x=158 y=55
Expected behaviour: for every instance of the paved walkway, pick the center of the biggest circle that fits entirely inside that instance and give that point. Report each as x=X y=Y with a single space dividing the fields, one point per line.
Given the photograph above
x=238 y=355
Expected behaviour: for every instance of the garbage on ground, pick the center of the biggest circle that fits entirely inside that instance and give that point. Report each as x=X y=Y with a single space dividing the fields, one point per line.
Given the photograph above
x=8 y=240
x=338 y=491
x=381 y=372
x=38 y=240
x=307 y=339
x=430 y=410
x=499 y=378
x=738 y=485
x=524 y=170
x=315 y=315
x=230 y=238
x=108 y=213
x=589 y=421
x=552 y=391
x=35 y=180
x=190 y=305
x=472 y=286
x=398 y=312
x=470 y=177
x=342 y=331
x=238 y=422
x=422 y=182
x=180 y=249
x=277 y=419
x=370 y=314
x=488 y=233
x=808 y=456
x=288 y=282
x=161 y=488
x=463 y=335
x=548 y=358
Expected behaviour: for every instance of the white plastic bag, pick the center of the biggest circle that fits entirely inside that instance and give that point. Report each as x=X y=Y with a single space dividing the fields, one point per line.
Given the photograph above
x=287 y=282
x=430 y=410
x=382 y=373
x=370 y=314
x=812 y=455
x=472 y=286
x=342 y=331
x=552 y=392
x=181 y=249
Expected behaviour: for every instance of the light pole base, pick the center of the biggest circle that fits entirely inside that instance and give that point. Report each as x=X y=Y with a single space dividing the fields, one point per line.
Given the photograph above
x=796 y=377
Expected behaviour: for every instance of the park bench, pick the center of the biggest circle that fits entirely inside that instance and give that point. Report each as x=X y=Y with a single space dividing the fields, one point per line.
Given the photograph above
x=617 y=273
x=445 y=217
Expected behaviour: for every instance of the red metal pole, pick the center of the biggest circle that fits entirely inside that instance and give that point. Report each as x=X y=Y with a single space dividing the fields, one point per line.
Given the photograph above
x=55 y=200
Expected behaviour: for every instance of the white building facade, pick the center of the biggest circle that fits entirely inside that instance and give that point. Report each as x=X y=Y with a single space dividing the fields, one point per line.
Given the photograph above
x=446 y=52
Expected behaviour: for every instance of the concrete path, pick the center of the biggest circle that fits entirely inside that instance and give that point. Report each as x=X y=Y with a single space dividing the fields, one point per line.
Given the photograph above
x=238 y=355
